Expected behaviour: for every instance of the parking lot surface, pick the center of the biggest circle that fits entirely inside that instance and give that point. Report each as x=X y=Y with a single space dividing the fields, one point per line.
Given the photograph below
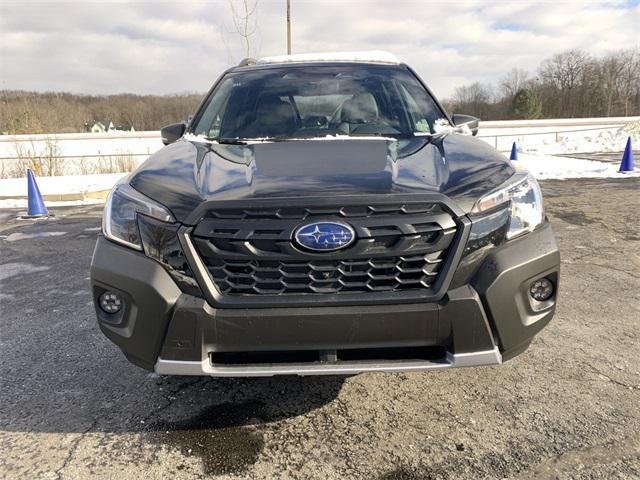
x=71 y=406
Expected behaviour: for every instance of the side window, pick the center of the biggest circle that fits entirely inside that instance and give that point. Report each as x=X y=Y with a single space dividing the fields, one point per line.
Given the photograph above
x=211 y=120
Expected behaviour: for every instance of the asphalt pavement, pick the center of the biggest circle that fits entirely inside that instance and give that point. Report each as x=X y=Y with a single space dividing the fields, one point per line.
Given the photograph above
x=72 y=407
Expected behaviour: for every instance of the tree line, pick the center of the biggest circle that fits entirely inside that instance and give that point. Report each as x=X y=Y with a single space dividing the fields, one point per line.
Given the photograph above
x=33 y=112
x=570 y=84
x=567 y=85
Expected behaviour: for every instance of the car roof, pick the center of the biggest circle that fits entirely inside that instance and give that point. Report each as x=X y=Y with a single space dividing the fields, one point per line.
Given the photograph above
x=304 y=60
x=373 y=56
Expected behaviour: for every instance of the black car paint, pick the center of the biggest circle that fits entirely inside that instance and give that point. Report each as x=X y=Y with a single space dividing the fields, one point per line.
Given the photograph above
x=168 y=316
x=187 y=173
x=179 y=326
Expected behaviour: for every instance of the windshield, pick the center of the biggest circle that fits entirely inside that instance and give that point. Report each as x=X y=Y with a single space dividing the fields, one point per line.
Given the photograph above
x=315 y=101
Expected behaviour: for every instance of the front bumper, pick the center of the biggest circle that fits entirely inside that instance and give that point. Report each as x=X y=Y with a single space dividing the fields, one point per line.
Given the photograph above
x=485 y=318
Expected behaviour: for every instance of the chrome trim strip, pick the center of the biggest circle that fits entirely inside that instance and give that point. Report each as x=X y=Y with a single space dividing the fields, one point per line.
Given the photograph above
x=197 y=265
x=204 y=367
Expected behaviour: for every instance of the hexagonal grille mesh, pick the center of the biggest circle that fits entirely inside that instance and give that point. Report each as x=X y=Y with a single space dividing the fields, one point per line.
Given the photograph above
x=325 y=276
x=398 y=247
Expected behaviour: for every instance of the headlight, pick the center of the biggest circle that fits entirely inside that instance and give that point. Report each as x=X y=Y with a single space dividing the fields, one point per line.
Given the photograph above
x=120 y=219
x=526 y=211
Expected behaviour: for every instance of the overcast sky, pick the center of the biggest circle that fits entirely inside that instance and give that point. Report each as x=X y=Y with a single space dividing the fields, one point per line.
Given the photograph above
x=167 y=47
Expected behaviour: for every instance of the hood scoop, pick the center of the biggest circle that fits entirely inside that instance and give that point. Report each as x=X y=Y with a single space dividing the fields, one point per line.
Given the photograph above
x=315 y=158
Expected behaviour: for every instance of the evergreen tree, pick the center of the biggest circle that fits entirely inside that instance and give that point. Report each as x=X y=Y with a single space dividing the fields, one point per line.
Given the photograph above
x=526 y=104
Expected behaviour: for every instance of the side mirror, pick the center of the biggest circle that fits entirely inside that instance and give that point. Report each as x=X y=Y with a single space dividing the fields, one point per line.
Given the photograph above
x=472 y=122
x=172 y=132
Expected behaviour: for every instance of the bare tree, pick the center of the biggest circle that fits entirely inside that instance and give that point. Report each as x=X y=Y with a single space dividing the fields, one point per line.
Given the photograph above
x=564 y=69
x=513 y=82
x=629 y=84
x=610 y=70
x=245 y=22
x=564 y=72
x=474 y=93
x=30 y=112
x=474 y=99
x=569 y=84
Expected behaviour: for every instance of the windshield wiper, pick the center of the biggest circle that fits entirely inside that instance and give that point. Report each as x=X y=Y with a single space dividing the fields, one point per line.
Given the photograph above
x=283 y=138
x=397 y=136
x=228 y=141
x=245 y=141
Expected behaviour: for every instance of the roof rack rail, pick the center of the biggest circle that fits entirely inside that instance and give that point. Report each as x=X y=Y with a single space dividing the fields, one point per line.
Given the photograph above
x=247 y=61
x=374 y=56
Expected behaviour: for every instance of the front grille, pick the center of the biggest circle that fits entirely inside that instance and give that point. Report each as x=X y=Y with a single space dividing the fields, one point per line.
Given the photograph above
x=325 y=276
x=250 y=252
x=304 y=213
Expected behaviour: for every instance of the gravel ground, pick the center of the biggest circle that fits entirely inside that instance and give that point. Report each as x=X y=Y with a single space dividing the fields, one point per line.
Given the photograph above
x=72 y=407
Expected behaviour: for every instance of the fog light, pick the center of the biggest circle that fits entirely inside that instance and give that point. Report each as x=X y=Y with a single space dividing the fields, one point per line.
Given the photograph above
x=110 y=302
x=541 y=290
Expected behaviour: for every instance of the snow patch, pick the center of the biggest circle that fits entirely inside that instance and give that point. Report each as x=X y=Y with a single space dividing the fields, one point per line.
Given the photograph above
x=442 y=127
x=613 y=140
x=9 y=270
x=606 y=141
x=567 y=140
x=547 y=167
x=80 y=153
x=23 y=203
x=349 y=137
x=254 y=141
x=372 y=56
x=14 y=237
x=67 y=184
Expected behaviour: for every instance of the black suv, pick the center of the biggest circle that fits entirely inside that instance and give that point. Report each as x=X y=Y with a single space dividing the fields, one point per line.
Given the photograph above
x=320 y=216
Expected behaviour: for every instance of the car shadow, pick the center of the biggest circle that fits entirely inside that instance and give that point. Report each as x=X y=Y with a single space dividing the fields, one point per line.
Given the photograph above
x=61 y=375
x=227 y=436
x=219 y=421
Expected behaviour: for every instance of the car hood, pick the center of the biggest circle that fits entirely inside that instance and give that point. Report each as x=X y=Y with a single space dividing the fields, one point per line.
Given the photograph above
x=184 y=174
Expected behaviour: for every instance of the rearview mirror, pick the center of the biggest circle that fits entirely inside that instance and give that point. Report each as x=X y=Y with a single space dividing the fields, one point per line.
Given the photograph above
x=460 y=120
x=172 y=132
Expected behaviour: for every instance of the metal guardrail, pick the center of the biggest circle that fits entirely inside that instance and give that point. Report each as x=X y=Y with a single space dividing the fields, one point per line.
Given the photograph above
x=558 y=122
x=554 y=132
x=44 y=137
x=564 y=127
x=549 y=133
x=550 y=127
x=71 y=157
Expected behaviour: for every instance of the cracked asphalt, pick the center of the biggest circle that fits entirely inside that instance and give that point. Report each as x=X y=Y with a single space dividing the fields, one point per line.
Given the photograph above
x=71 y=406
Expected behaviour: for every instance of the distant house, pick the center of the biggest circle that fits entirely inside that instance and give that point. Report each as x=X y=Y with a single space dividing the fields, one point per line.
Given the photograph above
x=95 y=127
x=100 y=127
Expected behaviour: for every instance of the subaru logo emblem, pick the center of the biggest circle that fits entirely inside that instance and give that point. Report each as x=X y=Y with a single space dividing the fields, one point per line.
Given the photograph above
x=324 y=236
